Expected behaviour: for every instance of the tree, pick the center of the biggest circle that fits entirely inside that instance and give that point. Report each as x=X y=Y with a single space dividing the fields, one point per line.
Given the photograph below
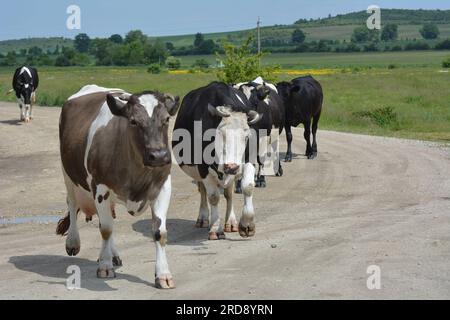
x=298 y=36
x=135 y=35
x=156 y=53
x=116 y=38
x=170 y=46
x=11 y=58
x=240 y=64
x=82 y=43
x=199 y=39
x=429 y=31
x=207 y=47
x=390 y=32
x=135 y=53
x=102 y=51
x=363 y=34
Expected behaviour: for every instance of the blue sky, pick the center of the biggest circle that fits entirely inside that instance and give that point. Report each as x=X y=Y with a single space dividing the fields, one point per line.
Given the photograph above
x=42 y=18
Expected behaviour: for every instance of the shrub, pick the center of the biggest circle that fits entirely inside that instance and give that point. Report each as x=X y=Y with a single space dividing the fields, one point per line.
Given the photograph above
x=201 y=63
x=392 y=66
x=173 y=63
x=154 y=68
x=443 y=45
x=446 y=63
x=417 y=46
x=240 y=65
x=383 y=117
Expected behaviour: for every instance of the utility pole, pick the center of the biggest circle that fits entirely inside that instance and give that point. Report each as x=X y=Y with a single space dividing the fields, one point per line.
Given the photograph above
x=258 y=24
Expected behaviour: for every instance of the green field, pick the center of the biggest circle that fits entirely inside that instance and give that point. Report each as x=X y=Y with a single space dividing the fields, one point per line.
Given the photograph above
x=416 y=91
x=342 y=60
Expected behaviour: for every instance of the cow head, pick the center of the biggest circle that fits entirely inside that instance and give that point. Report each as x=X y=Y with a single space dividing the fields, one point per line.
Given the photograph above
x=232 y=134
x=148 y=116
x=255 y=93
x=287 y=90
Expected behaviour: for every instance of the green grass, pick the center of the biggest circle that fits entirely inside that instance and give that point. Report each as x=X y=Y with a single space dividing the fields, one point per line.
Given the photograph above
x=342 y=60
x=410 y=101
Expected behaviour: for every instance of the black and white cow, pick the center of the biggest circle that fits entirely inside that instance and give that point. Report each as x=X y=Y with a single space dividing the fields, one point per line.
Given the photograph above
x=303 y=99
x=115 y=149
x=25 y=83
x=263 y=97
x=209 y=141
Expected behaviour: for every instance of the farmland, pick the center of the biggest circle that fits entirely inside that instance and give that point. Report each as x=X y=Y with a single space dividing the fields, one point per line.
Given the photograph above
x=414 y=92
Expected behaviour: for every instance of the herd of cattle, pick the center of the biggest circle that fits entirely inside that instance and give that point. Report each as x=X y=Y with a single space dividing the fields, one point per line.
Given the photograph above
x=115 y=148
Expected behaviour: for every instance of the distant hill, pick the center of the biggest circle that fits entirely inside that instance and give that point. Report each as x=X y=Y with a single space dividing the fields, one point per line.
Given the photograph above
x=43 y=43
x=339 y=27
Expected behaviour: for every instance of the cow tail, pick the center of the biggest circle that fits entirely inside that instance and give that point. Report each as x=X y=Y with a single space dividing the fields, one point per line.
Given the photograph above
x=63 y=226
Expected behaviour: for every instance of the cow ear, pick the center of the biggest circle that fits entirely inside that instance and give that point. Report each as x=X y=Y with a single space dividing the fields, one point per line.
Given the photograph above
x=117 y=108
x=295 y=88
x=172 y=104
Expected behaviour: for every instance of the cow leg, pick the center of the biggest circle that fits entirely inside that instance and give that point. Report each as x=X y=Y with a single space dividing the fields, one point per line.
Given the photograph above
x=213 y=193
x=307 y=135
x=203 y=214
x=117 y=262
x=238 y=186
x=260 y=179
x=73 y=237
x=247 y=224
x=231 y=224
x=103 y=206
x=314 y=132
x=163 y=277
x=288 y=157
x=22 y=114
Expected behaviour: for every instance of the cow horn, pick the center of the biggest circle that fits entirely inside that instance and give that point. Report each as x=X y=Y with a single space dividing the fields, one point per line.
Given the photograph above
x=253 y=117
x=219 y=111
x=125 y=97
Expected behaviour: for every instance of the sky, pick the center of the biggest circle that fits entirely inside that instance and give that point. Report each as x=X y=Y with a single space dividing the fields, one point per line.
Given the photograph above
x=101 y=18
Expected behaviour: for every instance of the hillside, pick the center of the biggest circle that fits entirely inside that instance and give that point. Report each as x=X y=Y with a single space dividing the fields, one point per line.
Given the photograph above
x=339 y=27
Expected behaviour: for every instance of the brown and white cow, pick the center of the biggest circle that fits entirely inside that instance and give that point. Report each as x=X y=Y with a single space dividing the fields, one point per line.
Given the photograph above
x=114 y=149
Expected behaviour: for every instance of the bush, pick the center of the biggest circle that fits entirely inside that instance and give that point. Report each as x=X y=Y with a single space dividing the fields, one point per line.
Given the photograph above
x=201 y=63
x=397 y=48
x=383 y=117
x=240 y=65
x=443 y=45
x=173 y=63
x=446 y=63
x=429 y=31
x=154 y=68
x=417 y=46
x=392 y=66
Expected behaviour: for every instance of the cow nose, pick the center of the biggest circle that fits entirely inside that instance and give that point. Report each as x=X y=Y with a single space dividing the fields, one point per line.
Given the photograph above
x=157 y=157
x=230 y=168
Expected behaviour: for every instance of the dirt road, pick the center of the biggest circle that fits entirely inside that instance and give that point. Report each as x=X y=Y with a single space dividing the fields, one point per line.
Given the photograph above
x=364 y=201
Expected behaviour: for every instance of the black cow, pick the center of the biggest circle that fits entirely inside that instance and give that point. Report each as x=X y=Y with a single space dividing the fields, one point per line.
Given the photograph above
x=264 y=98
x=303 y=98
x=25 y=82
x=217 y=115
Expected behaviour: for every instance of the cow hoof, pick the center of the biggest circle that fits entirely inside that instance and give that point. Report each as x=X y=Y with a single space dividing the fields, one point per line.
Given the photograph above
x=262 y=184
x=231 y=227
x=246 y=232
x=117 y=262
x=280 y=172
x=288 y=159
x=216 y=236
x=106 y=273
x=202 y=223
x=164 y=282
x=72 y=251
x=312 y=155
x=27 y=120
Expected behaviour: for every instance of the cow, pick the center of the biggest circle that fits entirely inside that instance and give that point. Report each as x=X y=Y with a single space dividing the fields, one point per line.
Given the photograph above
x=217 y=116
x=264 y=98
x=114 y=149
x=303 y=99
x=25 y=83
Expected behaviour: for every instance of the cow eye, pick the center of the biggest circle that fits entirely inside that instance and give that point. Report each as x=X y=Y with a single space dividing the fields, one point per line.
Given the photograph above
x=167 y=120
x=133 y=122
